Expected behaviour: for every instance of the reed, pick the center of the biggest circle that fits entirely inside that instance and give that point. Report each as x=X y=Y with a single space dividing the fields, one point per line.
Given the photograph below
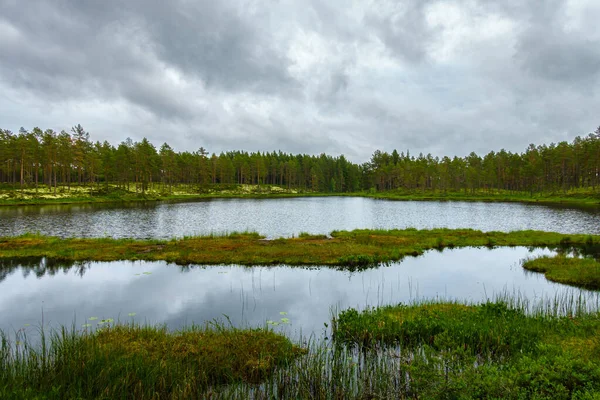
x=506 y=348
x=141 y=362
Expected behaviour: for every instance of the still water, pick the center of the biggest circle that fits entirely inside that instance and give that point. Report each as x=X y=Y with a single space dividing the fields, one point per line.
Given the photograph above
x=287 y=217
x=159 y=293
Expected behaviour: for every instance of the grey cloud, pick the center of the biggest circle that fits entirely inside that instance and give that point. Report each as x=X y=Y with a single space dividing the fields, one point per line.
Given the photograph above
x=404 y=30
x=217 y=43
x=112 y=48
x=221 y=74
x=559 y=56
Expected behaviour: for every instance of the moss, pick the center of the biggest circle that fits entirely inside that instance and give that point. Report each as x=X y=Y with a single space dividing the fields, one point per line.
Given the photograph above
x=575 y=271
x=356 y=249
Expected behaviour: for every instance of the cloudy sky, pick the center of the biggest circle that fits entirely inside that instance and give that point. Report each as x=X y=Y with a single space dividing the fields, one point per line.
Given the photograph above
x=305 y=76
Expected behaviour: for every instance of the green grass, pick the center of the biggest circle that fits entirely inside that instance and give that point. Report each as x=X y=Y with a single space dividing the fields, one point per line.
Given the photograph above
x=500 y=349
x=141 y=362
x=14 y=195
x=574 y=271
x=496 y=349
x=575 y=197
x=351 y=250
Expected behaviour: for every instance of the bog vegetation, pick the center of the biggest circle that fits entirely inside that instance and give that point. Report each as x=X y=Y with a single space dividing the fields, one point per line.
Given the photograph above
x=31 y=159
x=504 y=348
x=349 y=250
x=575 y=271
x=139 y=362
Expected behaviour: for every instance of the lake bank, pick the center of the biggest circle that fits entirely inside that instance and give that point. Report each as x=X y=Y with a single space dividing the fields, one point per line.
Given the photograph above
x=427 y=349
x=112 y=194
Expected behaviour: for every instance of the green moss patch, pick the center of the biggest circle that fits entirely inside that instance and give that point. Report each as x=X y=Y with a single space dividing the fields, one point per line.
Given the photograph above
x=574 y=271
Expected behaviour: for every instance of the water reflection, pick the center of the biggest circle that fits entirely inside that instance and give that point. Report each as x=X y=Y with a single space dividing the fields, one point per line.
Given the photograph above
x=176 y=296
x=287 y=217
x=42 y=266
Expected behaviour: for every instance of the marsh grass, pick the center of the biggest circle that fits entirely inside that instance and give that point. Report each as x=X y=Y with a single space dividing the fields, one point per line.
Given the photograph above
x=352 y=250
x=498 y=349
x=506 y=348
x=141 y=362
x=574 y=271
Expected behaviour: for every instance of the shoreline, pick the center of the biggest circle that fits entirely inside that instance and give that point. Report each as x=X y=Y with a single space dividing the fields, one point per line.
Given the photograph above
x=87 y=196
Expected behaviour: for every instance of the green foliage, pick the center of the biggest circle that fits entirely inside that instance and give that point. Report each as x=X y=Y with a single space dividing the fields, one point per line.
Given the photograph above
x=309 y=236
x=65 y=161
x=491 y=350
x=488 y=329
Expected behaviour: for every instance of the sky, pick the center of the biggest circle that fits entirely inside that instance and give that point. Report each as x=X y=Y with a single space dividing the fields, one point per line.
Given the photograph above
x=305 y=76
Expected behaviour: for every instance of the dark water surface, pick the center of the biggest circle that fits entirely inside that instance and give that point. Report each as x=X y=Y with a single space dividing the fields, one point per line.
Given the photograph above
x=287 y=217
x=176 y=296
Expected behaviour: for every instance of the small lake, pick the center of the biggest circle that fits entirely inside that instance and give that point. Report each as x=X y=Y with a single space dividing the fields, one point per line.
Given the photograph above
x=159 y=293
x=286 y=217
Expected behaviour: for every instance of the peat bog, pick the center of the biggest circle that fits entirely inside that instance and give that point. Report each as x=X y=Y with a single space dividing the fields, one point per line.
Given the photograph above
x=507 y=343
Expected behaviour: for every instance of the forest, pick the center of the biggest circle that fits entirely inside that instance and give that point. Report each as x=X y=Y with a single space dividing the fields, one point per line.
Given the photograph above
x=37 y=157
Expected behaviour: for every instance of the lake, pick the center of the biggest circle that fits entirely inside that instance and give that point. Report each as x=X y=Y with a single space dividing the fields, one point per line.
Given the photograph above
x=287 y=217
x=159 y=293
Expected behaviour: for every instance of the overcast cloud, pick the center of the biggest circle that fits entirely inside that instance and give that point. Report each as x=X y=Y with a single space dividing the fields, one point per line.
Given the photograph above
x=341 y=77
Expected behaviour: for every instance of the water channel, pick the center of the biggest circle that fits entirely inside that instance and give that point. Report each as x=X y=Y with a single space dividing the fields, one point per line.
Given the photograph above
x=158 y=293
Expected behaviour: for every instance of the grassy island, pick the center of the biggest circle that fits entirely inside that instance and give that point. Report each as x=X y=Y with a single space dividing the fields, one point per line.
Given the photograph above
x=347 y=249
x=574 y=271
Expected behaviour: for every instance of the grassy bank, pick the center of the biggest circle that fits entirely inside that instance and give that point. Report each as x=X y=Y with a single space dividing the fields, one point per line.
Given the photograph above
x=348 y=249
x=14 y=196
x=428 y=350
x=583 y=198
x=574 y=271
x=116 y=194
x=141 y=362
x=494 y=350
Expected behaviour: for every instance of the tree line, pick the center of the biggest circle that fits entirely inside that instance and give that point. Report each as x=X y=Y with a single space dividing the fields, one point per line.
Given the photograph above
x=36 y=157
